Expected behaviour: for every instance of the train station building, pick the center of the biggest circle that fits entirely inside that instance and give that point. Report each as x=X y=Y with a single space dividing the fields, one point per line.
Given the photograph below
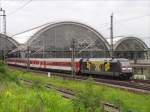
x=131 y=48
x=56 y=40
x=7 y=44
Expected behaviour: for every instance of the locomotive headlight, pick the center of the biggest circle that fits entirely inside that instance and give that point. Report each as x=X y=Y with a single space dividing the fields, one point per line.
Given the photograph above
x=130 y=69
x=124 y=69
x=127 y=69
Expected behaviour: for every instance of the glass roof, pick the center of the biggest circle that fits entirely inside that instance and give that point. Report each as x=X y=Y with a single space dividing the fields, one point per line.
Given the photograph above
x=7 y=42
x=130 y=44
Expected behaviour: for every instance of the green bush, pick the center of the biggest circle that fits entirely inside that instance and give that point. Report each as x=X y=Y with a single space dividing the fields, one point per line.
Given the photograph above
x=2 y=71
x=6 y=75
x=2 y=67
x=87 y=100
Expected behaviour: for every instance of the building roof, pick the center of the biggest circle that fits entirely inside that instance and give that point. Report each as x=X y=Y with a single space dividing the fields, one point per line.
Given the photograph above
x=86 y=31
x=23 y=37
x=130 y=44
x=65 y=31
x=13 y=41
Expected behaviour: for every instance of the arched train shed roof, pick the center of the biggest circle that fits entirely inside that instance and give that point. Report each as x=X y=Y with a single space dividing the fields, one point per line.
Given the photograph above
x=9 y=40
x=130 y=44
x=66 y=30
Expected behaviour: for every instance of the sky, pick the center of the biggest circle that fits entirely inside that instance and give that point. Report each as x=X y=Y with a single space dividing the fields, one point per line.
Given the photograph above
x=131 y=17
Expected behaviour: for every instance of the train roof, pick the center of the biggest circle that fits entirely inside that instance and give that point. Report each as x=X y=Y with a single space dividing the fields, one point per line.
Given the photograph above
x=76 y=59
x=105 y=59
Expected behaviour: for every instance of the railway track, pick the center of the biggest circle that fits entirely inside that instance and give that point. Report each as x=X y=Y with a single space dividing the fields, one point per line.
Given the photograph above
x=126 y=85
x=141 y=81
x=64 y=92
x=137 y=86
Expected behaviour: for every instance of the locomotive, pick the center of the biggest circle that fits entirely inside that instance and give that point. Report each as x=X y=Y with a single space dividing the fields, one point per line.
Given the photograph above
x=108 y=67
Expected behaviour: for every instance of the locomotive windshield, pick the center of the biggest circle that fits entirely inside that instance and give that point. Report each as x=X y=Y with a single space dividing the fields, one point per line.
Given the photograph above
x=124 y=63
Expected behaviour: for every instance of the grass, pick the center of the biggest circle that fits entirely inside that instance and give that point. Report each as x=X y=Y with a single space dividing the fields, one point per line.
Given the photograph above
x=126 y=100
x=16 y=97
